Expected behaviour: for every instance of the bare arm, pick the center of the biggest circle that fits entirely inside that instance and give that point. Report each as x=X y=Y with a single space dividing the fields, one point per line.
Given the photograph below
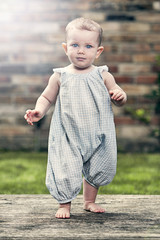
x=118 y=96
x=48 y=96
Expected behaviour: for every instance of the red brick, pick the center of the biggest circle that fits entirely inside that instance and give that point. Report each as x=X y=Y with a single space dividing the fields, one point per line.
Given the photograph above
x=136 y=90
x=27 y=79
x=124 y=120
x=136 y=27
x=156 y=27
x=149 y=38
x=147 y=79
x=97 y=16
x=123 y=79
x=135 y=47
x=142 y=58
x=131 y=100
x=156 y=68
x=24 y=100
x=121 y=38
x=155 y=120
x=142 y=47
x=110 y=48
x=118 y=58
x=156 y=47
x=112 y=68
x=148 y=17
x=110 y=27
x=130 y=68
x=10 y=130
x=144 y=100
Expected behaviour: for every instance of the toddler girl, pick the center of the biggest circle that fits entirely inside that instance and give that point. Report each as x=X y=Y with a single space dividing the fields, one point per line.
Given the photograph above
x=82 y=133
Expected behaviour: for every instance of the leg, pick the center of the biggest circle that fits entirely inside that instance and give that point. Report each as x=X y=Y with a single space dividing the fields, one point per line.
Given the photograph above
x=89 y=195
x=60 y=183
x=64 y=210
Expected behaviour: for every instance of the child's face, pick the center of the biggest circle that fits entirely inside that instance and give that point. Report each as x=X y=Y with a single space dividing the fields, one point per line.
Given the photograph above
x=82 y=47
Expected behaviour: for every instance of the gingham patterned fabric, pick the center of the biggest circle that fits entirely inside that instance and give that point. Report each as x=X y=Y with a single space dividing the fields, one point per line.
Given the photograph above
x=82 y=135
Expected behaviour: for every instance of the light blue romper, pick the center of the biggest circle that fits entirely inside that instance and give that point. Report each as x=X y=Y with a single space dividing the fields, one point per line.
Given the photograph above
x=82 y=135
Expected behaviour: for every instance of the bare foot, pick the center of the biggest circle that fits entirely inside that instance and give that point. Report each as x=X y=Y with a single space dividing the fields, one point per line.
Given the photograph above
x=93 y=207
x=63 y=211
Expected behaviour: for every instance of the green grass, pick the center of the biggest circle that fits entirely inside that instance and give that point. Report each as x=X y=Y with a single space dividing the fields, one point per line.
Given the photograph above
x=24 y=173
x=136 y=174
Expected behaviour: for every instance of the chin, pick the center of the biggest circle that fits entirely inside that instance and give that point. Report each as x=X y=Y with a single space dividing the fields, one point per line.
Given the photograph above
x=81 y=67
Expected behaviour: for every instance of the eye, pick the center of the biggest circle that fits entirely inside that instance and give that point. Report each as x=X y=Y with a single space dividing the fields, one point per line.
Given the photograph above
x=88 y=46
x=74 y=45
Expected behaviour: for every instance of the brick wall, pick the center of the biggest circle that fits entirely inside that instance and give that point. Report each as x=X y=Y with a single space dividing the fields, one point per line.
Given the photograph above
x=31 y=33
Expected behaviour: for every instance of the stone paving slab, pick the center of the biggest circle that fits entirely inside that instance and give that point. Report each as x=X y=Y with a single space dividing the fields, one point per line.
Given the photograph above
x=127 y=217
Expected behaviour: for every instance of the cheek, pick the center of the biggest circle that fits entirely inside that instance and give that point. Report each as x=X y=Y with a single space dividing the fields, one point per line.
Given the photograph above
x=93 y=54
x=71 y=52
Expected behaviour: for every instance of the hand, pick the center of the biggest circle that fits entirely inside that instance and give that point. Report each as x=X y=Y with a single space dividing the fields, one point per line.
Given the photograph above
x=32 y=116
x=118 y=96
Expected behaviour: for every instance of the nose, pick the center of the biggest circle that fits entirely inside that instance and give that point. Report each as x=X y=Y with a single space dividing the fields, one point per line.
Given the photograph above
x=81 y=50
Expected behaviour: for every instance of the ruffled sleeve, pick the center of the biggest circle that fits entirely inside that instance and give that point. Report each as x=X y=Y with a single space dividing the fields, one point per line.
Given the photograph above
x=103 y=68
x=58 y=70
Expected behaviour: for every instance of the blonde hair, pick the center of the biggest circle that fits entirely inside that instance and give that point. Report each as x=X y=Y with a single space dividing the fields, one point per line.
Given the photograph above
x=85 y=24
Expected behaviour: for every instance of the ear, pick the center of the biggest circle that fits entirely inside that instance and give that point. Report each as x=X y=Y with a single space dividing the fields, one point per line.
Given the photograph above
x=64 y=45
x=99 y=51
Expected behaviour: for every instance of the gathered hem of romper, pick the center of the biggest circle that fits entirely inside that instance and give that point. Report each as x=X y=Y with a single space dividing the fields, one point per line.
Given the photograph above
x=66 y=201
x=91 y=183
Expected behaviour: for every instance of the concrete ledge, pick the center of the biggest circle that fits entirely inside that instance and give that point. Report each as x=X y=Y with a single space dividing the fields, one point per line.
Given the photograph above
x=127 y=217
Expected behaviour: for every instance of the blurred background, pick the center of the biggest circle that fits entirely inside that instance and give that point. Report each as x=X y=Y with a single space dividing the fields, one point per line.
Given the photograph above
x=31 y=33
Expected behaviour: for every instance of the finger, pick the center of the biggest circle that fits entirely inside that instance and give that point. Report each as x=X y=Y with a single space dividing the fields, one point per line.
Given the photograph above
x=119 y=99
x=115 y=96
x=118 y=95
x=30 y=122
x=28 y=111
x=26 y=117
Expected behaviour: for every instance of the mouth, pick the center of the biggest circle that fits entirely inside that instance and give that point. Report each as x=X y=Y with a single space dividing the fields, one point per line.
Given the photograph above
x=80 y=59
